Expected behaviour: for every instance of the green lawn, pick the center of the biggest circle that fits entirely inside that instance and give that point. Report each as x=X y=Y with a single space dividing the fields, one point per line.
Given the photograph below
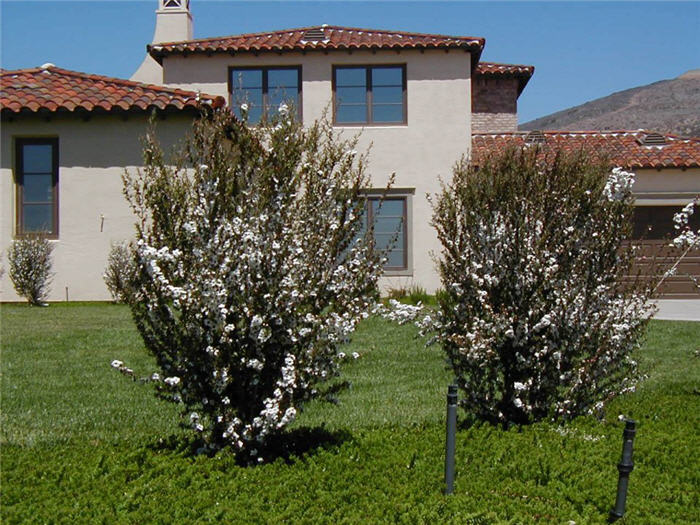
x=83 y=444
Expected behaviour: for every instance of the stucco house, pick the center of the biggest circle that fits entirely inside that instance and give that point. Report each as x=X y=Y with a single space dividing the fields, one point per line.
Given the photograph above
x=419 y=100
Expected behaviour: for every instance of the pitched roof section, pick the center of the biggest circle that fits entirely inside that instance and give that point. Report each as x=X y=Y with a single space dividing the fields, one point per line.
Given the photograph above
x=323 y=37
x=627 y=149
x=522 y=72
x=51 y=89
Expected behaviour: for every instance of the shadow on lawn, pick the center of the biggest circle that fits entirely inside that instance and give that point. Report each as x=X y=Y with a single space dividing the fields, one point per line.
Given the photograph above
x=289 y=446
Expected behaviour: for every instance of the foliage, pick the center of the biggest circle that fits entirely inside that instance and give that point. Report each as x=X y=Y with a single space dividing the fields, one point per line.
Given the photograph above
x=535 y=320
x=686 y=238
x=120 y=272
x=79 y=445
x=251 y=270
x=30 y=262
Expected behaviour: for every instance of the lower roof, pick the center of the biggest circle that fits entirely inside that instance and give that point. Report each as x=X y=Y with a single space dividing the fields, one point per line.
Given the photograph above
x=51 y=89
x=628 y=149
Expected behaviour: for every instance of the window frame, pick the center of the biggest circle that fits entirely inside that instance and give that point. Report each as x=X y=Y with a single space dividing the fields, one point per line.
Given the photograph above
x=368 y=79
x=265 y=86
x=20 y=142
x=405 y=197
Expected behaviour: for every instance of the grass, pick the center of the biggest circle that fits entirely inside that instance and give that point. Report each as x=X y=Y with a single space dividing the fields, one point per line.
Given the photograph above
x=82 y=444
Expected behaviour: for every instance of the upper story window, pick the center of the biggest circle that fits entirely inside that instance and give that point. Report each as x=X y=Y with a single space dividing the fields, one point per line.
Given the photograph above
x=264 y=89
x=369 y=94
x=37 y=186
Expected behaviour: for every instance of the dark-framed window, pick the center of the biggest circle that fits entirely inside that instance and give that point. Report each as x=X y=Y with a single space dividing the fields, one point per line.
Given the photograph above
x=369 y=95
x=264 y=89
x=36 y=175
x=389 y=218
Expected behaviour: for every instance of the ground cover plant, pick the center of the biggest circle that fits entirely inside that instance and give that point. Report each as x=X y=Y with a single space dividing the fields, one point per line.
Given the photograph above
x=80 y=446
x=537 y=320
x=251 y=269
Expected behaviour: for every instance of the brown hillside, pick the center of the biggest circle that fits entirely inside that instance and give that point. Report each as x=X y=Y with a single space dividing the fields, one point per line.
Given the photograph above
x=669 y=106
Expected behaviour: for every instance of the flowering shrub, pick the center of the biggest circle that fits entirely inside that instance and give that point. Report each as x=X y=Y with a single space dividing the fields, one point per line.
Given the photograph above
x=686 y=239
x=251 y=270
x=30 y=261
x=120 y=271
x=534 y=319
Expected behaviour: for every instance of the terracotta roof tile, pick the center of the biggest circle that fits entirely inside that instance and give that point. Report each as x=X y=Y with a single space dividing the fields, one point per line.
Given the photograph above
x=52 y=89
x=323 y=37
x=624 y=148
x=522 y=72
x=493 y=68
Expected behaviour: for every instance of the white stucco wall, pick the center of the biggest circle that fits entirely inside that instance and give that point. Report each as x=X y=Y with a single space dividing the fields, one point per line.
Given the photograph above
x=92 y=157
x=437 y=133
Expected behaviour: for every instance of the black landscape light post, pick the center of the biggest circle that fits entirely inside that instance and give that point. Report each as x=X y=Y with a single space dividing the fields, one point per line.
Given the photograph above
x=624 y=467
x=450 y=440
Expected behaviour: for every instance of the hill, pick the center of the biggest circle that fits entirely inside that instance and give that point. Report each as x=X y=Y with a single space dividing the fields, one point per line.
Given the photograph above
x=667 y=106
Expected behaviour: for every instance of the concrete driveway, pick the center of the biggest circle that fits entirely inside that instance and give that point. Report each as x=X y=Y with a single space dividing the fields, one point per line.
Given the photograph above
x=678 y=309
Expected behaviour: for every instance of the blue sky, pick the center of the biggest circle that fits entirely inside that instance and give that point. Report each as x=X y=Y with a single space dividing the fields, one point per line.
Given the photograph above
x=581 y=50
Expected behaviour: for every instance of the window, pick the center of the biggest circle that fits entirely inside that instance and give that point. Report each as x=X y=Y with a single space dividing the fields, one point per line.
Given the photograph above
x=369 y=94
x=37 y=186
x=264 y=89
x=390 y=230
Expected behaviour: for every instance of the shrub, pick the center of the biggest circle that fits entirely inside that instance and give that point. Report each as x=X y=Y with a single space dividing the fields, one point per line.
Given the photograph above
x=30 y=261
x=251 y=270
x=535 y=320
x=120 y=271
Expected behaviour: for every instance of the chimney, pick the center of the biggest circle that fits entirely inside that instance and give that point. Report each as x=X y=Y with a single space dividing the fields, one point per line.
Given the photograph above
x=173 y=24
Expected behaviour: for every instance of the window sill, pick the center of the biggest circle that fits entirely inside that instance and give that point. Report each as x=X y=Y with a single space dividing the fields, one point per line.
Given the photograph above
x=398 y=273
x=364 y=126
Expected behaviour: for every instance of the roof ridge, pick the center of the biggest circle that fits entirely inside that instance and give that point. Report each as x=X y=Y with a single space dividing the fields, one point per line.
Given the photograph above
x=320 y=26
x=584 y=132
x=489 y=63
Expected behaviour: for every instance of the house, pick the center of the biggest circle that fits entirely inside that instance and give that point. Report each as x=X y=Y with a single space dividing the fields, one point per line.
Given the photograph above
x=416 y=99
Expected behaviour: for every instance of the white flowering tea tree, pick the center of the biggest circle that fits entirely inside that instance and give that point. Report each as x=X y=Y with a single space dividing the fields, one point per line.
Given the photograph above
x=535 y=320
x=251 y=270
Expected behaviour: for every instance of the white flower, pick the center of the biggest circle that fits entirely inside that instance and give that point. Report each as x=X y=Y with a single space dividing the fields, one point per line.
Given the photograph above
x=517 y=402
x=518 y=386
x=244 y=108
x=116 y=363
x=283 y=109
x=355 y=355
x=172 y=381
x=155 y=376
x=341 y=355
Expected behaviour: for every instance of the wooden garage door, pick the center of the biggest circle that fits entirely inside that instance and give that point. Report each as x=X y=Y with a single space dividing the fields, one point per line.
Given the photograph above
x=653 y=231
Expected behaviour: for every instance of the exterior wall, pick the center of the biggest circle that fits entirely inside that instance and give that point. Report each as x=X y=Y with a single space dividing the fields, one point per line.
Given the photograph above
x=92 y=210
x=494 y=104
x=494 y=122
x=666 y=187
x=437 y=133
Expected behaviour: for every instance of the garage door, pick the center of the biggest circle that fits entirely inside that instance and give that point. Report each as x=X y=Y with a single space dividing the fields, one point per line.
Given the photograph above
x=653 y=231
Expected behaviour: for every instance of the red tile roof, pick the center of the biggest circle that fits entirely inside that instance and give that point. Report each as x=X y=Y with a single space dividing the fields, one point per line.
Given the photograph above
x=624 y=148
x=49 y=88
x=492 y=68
x=521 y=72
x=319 y=38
